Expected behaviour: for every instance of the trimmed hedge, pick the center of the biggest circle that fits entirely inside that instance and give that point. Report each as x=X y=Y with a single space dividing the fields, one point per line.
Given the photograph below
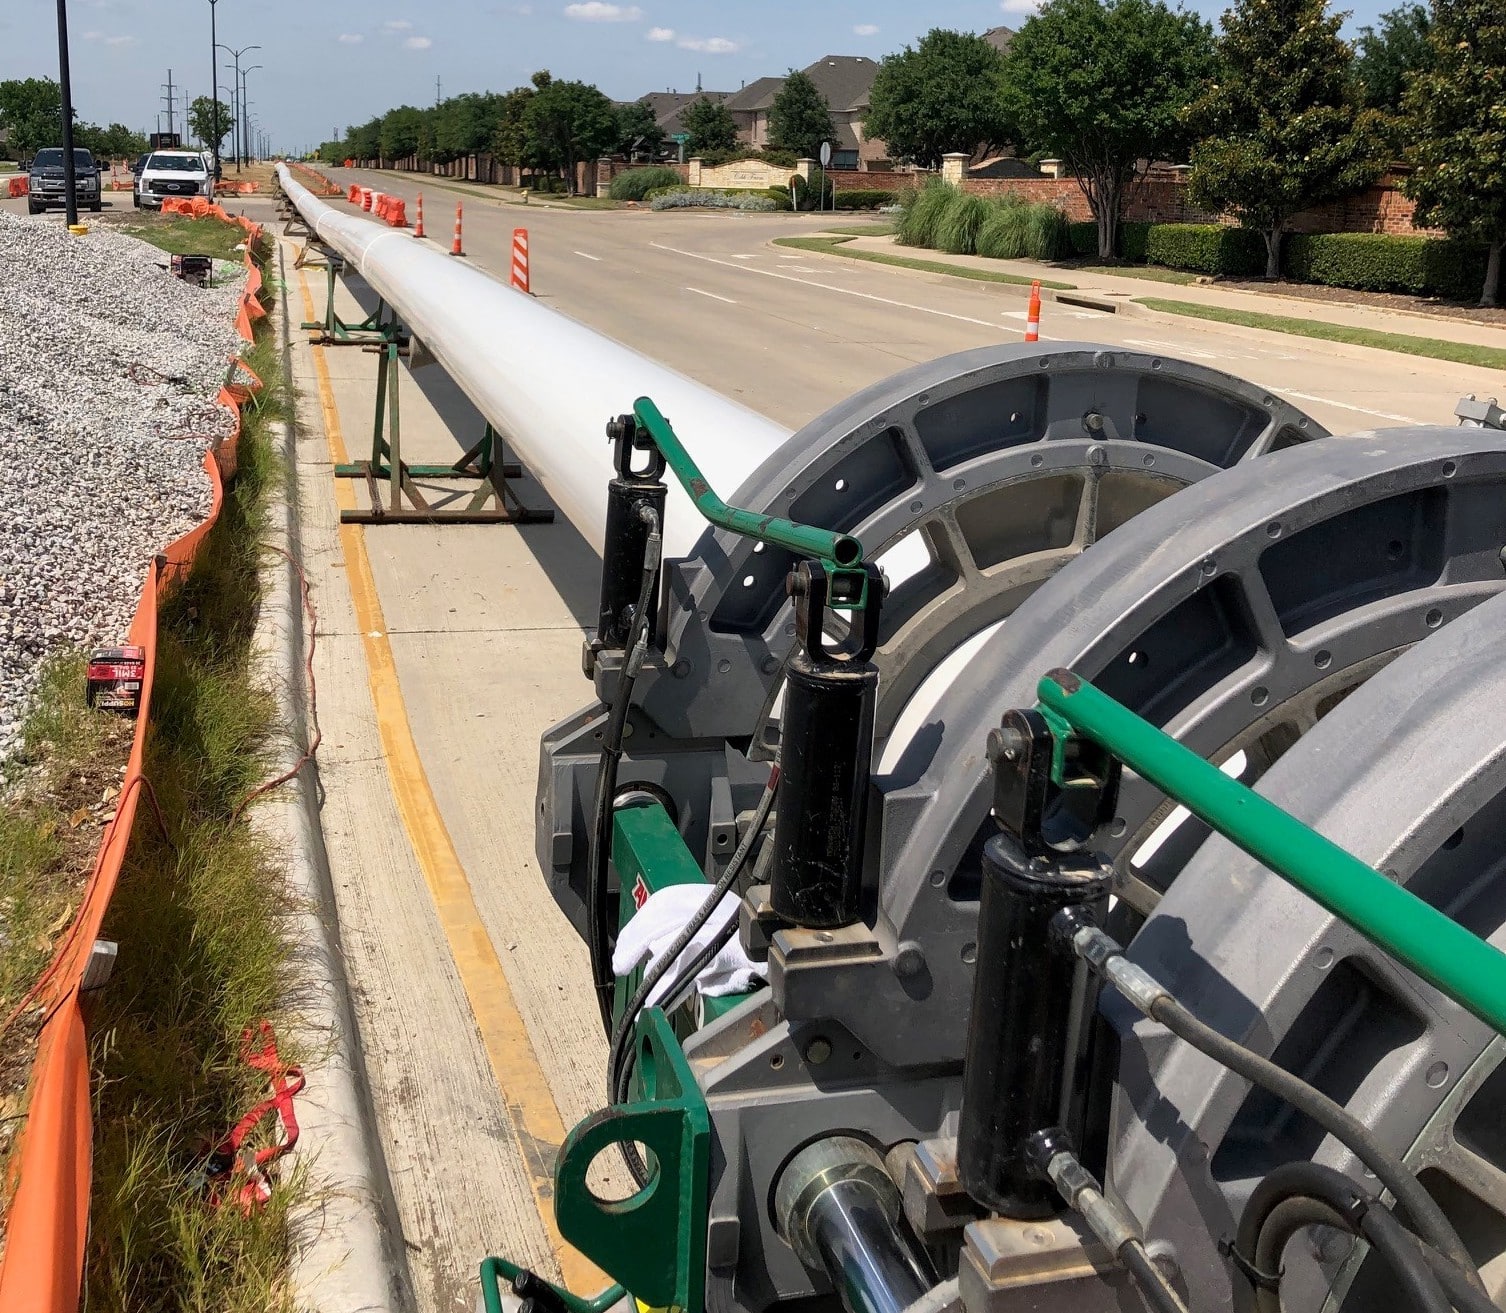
x=1206 y=248
x=713 y=200
x=1082 y=240
x=1386 y=262
x=863 y=199
x=635 y=184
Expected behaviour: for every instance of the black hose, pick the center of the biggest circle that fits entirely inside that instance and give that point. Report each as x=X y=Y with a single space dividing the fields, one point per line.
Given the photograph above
x=598 y=937
x=1159 y=1293
x=1301 y=1194
x=619 y=1058
x=1423 y=1210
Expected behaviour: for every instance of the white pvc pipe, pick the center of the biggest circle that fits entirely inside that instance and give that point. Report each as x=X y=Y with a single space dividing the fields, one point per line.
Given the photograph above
x=546 y=383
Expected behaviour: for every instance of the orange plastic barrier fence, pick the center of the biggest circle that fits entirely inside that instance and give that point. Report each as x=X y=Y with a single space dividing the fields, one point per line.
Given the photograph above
x=17 y=186
x=42 y=1267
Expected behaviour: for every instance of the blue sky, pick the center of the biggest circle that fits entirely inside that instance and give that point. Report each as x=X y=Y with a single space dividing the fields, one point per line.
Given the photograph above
x=326 y=65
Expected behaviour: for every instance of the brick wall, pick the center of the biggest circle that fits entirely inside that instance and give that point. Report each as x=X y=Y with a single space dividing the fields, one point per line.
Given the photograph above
x=861 y=180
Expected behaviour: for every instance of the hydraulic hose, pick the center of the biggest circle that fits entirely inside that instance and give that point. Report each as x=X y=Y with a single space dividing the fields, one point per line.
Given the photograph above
x=598 y=936
x=1298 y=1195
x=1107 y=958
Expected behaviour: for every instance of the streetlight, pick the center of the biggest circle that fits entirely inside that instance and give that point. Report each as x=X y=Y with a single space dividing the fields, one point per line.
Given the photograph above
x=237 y=55
x=235 y=113
x=246 y=138
x=214 y=94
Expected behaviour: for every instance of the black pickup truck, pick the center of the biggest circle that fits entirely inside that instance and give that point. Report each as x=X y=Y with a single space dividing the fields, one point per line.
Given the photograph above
x=47 y=185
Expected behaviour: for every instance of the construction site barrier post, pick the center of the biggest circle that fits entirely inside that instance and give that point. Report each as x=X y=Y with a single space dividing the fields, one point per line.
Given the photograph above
x=456 y=248
x=1033 y=317
x=418 y=222
x=519 y=274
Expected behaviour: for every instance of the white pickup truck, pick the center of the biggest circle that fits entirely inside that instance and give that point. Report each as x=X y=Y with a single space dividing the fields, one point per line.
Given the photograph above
x=171 y=173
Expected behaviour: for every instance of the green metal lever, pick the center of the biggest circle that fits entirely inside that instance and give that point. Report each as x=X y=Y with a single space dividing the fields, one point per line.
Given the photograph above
x=494 y=1271
x=1460 y=964
x=838 y=549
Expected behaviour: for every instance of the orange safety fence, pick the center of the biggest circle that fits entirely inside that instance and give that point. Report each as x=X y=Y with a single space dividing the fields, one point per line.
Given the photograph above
x=324 y=186
x=41 y=1270
x=18 y=186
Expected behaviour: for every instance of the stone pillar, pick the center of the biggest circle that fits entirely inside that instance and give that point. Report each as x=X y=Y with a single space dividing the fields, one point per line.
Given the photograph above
x=695 y=171
x=804 y=168
x=1051 y=168
x=604 y=176
x=953 y=165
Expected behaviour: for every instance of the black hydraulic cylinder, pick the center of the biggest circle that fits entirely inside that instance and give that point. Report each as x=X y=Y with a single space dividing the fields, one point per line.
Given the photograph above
x=1031 y=1018
x=623 y=552
x=825 y=754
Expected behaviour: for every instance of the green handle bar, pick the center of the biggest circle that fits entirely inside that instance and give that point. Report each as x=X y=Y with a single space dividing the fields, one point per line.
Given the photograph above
x=495 y=1270
x=1460 y=964
x=839 y=549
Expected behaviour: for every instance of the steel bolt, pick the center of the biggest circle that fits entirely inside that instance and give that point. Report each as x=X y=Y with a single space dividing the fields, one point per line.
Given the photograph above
x=817 y=1051
x=909 y=960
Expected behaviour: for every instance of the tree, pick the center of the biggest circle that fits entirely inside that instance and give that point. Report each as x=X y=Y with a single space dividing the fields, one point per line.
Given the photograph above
x=203 y=120
x=638 y=132
x=1385 y=59
x=799 y=118
x=1102 y=87
x=942 y=96
x=1282 y=128
x=568 y=122
x=1459 y=182
x=398 y=137
x=510 y=140
x=364 y=142
x=709 y=125
x=31 y=110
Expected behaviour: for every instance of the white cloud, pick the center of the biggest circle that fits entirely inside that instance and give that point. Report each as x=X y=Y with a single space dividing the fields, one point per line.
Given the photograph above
x=120 y=41
x=865 y=29
x=524 y=10
x=351 y=38
x=1019 y=6
x=595 y=11
x=709 y=45
x=418 y=43
x=661 y=34
x=94 y=36
x=397 y=25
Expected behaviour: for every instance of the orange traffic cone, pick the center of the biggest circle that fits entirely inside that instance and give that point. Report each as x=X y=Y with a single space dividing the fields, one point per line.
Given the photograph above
x=519 y=276
x=1033 y=318
x=418 y=225
x=456 y=248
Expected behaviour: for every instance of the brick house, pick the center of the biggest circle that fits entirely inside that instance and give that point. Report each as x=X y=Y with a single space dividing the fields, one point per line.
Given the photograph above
x=845 y=81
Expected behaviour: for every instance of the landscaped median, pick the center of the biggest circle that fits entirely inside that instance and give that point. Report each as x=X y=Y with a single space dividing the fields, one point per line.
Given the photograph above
x=115 y=1192
x=837 y=245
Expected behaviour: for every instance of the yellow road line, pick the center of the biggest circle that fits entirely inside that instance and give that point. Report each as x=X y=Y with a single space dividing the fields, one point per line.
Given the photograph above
x=528 y=1103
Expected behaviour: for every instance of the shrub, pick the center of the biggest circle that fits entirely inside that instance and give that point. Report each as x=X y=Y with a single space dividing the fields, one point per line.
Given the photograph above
x=1206 y=248
x=812 y=193
x=635 y=184
x=1132 y=239
x=863 y=199
x=657 y=192
x=780 y=196
x=922 y=211
x=713 y=200
x=1005 y=234
x=1082 y=238
x=1386 y=262
x=1045 y=232
x=957 y=228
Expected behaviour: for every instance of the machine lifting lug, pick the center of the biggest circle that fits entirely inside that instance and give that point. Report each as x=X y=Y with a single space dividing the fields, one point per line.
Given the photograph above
x=1052 y=789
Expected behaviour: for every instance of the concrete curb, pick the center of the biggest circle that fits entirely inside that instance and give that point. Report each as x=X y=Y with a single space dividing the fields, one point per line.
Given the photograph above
x=347 y=1251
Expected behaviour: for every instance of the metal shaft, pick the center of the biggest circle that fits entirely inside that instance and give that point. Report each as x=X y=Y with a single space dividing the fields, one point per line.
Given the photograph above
x=838 y=1208
x=545 y=382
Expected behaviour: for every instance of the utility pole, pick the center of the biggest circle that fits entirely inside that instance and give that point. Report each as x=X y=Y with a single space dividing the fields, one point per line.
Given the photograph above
x=437 y=93
x=214 y=92
x=168 y=85
x=247 y=140
x=64 y=85
x=237 y=56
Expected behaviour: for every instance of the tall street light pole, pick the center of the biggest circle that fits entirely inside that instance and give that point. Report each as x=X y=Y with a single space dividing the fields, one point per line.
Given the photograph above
x=69 y=177
x=235 y=113
x=237 y=56
x=247 y=140
x=214 y=94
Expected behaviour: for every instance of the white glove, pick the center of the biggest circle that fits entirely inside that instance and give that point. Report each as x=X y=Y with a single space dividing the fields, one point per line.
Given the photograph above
x=658 y=923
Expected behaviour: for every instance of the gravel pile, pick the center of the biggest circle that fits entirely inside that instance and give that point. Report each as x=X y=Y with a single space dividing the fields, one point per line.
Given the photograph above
x=109 y=367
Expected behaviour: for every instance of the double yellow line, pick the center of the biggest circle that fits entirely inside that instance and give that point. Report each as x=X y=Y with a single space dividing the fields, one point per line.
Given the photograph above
x=527 y=1101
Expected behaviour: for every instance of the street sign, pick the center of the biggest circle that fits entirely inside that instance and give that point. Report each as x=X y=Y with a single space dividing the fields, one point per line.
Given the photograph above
x=825 y=153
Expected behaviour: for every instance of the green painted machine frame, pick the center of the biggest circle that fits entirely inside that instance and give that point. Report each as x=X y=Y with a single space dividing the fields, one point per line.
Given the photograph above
x=1445 y=954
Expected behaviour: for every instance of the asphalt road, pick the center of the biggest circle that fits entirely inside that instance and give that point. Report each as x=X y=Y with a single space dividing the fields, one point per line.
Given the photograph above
x=791 y=333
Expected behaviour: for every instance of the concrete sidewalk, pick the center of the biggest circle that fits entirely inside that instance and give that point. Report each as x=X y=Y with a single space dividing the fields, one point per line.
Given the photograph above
x=1123 y=289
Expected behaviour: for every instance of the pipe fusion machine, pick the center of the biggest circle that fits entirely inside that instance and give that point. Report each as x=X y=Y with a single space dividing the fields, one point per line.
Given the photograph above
x=1090 y=781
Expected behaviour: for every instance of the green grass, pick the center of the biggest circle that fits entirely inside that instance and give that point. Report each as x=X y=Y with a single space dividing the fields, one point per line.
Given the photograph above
x=863 y=230
x=834 y=246
x=1149 y=272
x=180 y=235
x=1461 y=353
x=199 y=914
